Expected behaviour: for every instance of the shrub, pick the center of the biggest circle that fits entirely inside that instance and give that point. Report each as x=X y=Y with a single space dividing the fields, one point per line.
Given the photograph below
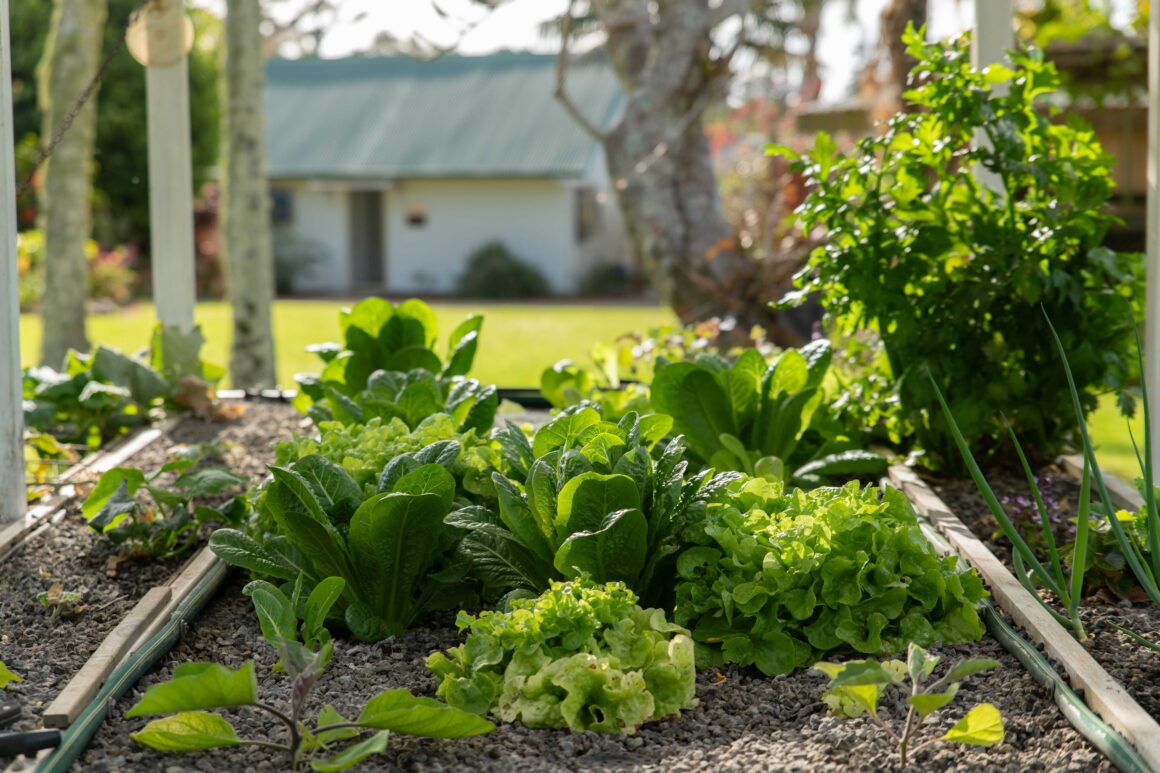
x=781 y=578
x=951 y=273
x=607 y=279
x=494 y=272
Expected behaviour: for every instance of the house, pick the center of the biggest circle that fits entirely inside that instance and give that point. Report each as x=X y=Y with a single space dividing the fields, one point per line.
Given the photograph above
x=397 y=170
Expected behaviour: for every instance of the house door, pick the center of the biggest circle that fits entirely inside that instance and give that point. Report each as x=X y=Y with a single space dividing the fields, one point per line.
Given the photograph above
x=366 y=238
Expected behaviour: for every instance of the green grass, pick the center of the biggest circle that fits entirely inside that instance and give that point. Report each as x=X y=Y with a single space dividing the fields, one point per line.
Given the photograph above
x=517 y=341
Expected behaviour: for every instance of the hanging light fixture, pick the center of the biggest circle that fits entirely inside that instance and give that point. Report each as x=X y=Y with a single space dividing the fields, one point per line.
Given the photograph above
x=160 y=34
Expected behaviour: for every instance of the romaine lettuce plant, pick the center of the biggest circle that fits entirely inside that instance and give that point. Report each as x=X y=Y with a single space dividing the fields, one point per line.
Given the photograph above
x=593 y=502
x=391 y=549
x=196 y=687
x=364 y=450
x=856 y=685
x=779 y=578
x=760 y=418
x=132 y=508
x=580 y=656
x=380 y=336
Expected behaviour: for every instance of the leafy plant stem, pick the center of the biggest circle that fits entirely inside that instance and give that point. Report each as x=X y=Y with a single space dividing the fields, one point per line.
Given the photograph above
x=292 y=726
x=267 y=744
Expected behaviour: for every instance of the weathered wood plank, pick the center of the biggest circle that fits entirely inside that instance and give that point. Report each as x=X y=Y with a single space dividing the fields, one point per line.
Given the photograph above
x=85 y=684
x=1123 y=494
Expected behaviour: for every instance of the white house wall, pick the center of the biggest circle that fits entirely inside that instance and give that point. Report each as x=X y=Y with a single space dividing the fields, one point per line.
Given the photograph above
x=533 y=218
x=321 y=215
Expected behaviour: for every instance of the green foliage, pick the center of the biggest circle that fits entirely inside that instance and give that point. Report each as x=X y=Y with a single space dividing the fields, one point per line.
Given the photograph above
x=391 y=548
x=951 y=273
x=856 y=685
x=196 y=687
x=581 y=656
x=103 y=394
x=365 y=450
x=167 y=523
x=769 y=420
x=380 y=336
x=779 y=578
x=493 y=271
x=591 y=498
x=8 y=677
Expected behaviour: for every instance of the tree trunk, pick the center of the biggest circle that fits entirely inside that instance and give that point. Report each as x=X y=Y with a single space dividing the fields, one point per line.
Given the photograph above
x=895 y=17
x=71 y=57
x=659 y=158
x=245 y=201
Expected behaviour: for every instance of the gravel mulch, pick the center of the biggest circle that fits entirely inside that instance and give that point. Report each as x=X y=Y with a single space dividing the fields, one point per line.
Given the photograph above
x=46 y=651
x=745 y=722
x=1133 y=665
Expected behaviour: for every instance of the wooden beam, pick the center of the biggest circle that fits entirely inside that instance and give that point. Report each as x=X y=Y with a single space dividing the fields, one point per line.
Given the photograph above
x=12 y=497
x=994 y=36
x=1152 y=271
x=171 y=192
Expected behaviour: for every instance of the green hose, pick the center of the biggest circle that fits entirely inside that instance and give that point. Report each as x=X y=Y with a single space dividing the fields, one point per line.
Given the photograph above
x=1098 y=733
x=81 y=731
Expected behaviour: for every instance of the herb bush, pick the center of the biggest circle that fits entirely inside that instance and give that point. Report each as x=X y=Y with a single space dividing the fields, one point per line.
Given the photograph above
x=780 y=578
x=580 y=656
x=951 y=273
x=492 y=271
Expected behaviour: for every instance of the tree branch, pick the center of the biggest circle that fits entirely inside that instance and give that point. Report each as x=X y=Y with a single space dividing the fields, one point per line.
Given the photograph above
x=561 y=77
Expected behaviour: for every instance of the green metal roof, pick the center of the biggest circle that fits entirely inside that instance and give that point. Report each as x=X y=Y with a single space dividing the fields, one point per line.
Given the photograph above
x=455 y=116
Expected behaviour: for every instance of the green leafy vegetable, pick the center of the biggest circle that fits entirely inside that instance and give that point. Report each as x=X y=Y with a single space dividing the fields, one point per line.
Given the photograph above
x=8 y=677
x=780 y=578
x=580 y=656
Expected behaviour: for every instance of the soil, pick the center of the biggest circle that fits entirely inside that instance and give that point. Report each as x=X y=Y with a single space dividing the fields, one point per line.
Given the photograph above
x=745 y=722
x=1133 y=665
x=46 y=650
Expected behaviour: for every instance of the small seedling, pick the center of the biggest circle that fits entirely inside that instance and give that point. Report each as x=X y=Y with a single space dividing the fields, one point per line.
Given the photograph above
x=61 y=602
x=8 y=677
x=199 y=686
x=856 y=685
x=166 y=523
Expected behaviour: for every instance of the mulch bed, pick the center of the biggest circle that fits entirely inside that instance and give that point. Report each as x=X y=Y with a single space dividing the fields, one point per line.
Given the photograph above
x=1133 y=665
x=46 y=651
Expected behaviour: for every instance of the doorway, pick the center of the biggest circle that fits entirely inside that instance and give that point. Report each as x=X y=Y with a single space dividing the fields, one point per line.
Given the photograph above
x=367 y=261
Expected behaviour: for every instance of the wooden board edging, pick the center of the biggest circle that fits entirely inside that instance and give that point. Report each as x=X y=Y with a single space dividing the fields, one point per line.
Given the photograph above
x=1100 y=690
x=1123 y=495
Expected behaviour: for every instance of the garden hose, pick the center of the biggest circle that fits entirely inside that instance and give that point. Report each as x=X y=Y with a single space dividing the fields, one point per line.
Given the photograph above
x=80 y=732
x=1097 y=732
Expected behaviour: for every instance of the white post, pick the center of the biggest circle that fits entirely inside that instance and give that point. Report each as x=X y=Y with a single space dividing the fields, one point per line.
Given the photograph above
x=11 y=405
x=994 y=37
x=1152 y=273
x=171 y=191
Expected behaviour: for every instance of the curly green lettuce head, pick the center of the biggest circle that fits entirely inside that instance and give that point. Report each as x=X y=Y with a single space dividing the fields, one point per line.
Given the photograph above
x=780 y=578
x=580 y=656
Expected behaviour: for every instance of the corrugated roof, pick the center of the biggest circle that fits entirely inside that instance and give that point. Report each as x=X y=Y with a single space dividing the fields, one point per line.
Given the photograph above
x=455 y=116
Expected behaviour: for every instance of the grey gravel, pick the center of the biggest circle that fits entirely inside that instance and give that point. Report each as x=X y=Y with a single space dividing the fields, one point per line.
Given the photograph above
x=744 y=722
x=45 y=651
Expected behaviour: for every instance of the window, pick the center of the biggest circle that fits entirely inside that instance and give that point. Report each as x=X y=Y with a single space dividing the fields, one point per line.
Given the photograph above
x=281 y=206
x=416 y=217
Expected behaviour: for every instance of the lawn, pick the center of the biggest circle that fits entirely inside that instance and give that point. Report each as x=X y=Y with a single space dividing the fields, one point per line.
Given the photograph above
x=518 y=341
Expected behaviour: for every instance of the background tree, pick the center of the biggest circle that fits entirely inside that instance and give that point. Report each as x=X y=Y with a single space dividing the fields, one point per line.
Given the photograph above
x=246 y=203
x=70 y=62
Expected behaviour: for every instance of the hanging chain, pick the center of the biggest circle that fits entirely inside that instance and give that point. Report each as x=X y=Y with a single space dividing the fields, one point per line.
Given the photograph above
x=46 y=150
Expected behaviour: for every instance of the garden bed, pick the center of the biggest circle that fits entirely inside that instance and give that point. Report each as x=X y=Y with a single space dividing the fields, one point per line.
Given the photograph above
x=1133 y=665
x=47 y=651
x=745 y=721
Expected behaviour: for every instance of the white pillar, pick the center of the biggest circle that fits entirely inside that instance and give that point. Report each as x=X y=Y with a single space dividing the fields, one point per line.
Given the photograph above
x=1152 y=275
x=994 y=36
x=11 y=410
x=171 y=192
